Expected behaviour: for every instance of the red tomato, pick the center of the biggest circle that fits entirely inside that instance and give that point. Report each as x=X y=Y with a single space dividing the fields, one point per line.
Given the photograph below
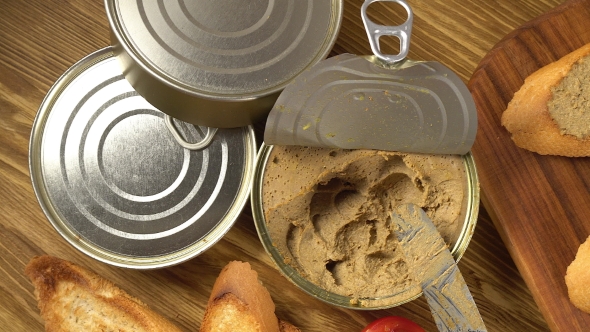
x=393 y=324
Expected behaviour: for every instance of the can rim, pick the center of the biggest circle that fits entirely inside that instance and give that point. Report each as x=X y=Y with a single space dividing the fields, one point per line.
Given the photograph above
x=115 y=23
x=103 y=255
x=461 y=244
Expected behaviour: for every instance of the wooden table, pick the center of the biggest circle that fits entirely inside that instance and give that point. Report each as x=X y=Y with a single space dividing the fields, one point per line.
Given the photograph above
x=40 y=39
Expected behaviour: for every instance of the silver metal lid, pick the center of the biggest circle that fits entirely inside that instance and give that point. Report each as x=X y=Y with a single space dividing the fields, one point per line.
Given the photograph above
x=225 y=50
x=114 y=182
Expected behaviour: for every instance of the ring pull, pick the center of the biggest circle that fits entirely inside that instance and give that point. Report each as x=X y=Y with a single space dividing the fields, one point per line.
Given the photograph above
x=190 y=146
x=402 y=32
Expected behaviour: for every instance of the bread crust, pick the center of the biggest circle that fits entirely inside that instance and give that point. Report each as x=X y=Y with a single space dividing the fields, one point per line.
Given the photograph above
x=72 y=298
x=287 y=327
x=577 y=278
x=238 y=300
x=226 y=313
x=527 y=116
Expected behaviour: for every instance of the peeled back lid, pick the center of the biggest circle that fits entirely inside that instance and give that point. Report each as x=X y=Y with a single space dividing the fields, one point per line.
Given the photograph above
x=226 y=50
x=352 y=102
x=382 y=102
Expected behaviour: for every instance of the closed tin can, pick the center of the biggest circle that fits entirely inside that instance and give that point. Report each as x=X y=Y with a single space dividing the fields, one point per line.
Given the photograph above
x=338 y=196
x=114 y=182
x=219 y=63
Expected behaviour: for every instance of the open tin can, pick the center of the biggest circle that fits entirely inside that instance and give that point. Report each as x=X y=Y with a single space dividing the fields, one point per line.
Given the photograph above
x=458 y=242
x=400 y=115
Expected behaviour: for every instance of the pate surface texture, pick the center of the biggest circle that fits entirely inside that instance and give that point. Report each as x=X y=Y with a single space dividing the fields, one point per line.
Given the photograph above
x=328 y=212
x=570 y=105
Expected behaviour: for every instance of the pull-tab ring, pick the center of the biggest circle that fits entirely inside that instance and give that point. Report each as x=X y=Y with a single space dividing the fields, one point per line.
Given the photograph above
x=403 y=32
x=190 y=146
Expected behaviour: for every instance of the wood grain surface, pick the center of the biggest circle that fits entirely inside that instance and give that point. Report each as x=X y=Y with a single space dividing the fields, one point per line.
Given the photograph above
x=40 y=39
x=541 y=203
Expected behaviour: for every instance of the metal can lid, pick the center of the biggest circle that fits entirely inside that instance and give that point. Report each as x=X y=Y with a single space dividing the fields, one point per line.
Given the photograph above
x=114 y=182
x=226 y=47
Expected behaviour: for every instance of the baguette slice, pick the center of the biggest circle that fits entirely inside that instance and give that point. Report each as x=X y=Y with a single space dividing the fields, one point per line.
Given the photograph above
x=74 y=299
x=527 y=116
x=577 y=278
x=239 y=302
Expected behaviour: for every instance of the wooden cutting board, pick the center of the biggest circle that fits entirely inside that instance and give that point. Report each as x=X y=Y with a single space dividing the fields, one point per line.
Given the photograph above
x=540 y=204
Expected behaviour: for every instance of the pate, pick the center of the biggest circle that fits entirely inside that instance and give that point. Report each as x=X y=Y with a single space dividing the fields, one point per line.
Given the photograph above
x=328 y=211
x=570 y=105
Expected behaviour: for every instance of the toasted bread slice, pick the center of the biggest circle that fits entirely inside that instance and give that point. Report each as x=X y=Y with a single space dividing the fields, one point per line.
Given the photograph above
x=74 y=299
x=239 y=302
x=577 y=278
x=529 y=120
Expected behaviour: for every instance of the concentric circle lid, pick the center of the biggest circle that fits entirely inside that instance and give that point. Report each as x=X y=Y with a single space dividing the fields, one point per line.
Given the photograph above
x=228 y=47
x=114 y=182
